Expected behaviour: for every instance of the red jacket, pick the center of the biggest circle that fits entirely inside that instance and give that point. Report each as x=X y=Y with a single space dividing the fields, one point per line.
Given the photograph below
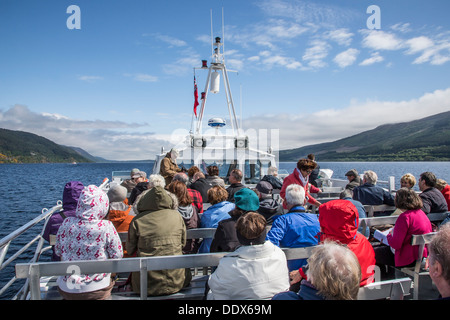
x=339 y=221
x=446 y=193
x=293 y=178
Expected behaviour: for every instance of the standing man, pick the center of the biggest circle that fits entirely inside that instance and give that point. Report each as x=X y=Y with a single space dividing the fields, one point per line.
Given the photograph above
x=169 y=166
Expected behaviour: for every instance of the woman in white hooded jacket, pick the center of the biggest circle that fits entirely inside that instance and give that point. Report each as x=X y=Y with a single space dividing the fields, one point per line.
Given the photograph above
x=255 y=270
x=86 y=236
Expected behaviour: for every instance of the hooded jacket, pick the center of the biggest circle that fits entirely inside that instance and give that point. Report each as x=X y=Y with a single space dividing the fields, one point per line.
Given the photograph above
x=158 y=230
x=88 y=237
x=192 y=221
x=270 y=209
x=250 y=272
x=339 y=222
x=446 y=193
x=71 y=193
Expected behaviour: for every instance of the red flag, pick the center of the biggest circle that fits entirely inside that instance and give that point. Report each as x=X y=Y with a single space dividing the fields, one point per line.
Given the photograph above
x=196 y=97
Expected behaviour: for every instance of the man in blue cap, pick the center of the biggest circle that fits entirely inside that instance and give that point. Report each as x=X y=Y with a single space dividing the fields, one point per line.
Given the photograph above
x=225 y=238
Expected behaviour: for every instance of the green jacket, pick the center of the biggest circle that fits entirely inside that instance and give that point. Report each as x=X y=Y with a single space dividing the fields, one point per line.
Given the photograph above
x=158 y=230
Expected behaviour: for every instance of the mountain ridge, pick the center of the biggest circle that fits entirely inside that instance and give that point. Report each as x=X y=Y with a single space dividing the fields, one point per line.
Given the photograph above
x=426 y=139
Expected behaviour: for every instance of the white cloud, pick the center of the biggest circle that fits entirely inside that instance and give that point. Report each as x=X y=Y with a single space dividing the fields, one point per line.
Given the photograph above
x=172 y=41
x=341 y=36
x=316 y=53
x=113 y=140
x=381 y=40
x=346 y=58
x=141 y=77
x=90 y=78
x=334 y=123
x=401 y=27
x=418 y=44
x=375 y=58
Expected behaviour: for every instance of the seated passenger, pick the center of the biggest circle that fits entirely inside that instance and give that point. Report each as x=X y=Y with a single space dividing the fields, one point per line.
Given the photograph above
x=333 y=272
x=158 y=230
x=300 y=176
x=235 y=180
x=407 y=181
x=218 y=211
x=120 y=212
x=413 y=221
x=140 y=179
x=271 y=177
x=433 y=200
x=200 y=184
x=353 y=179
x=339 y=221
x=213 y=176
x=439 y=261
x=130 y=183
x=196 y=197
x=71 y=193
x=188 y=211
x=255 y=270
x=269 y=208
x=347 y=194
x=296 y=228
x=225 y=238
x=444 y=188
x=371 y=194
x=87 y=236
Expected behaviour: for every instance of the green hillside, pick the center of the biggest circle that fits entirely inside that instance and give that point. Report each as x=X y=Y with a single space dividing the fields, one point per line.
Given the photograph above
x=24 y=147
x=427 y=139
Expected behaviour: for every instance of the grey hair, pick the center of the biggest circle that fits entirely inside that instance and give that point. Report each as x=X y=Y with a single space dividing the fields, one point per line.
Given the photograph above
x=370 y=176
x=295 y=194
x=156 y=180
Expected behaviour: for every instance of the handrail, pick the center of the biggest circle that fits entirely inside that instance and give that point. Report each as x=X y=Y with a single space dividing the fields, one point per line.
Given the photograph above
x=6 y=241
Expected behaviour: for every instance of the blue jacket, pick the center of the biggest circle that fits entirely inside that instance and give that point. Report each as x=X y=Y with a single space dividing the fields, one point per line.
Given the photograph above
x=370 y=194
x=295 y=229
x=211 y=218
x=307 y=292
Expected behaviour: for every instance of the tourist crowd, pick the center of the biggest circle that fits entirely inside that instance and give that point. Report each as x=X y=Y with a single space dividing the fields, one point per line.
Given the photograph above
x=252 y=225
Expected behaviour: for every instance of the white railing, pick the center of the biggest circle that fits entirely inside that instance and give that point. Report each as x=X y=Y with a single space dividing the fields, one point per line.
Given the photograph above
x=6 y=242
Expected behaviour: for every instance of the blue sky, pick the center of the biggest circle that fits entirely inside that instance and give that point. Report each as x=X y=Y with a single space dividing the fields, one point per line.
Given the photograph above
x=122 y=85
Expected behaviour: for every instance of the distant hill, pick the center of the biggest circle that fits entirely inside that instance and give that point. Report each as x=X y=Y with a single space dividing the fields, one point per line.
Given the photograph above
x=427 y=139
x=88 y=156
x=25 y=147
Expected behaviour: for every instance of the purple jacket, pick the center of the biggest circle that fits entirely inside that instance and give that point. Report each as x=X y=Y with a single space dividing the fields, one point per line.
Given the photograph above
x=71 y=193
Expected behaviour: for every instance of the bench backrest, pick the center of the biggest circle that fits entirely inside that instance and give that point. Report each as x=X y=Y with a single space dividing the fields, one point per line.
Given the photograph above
x=394 y=289
x=34 y=271
x=379 y=208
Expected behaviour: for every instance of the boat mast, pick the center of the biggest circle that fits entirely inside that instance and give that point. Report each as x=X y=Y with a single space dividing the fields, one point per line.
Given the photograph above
x=217 y=65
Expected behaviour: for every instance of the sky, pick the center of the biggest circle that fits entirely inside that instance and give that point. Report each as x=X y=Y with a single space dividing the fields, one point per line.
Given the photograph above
x=116 y=77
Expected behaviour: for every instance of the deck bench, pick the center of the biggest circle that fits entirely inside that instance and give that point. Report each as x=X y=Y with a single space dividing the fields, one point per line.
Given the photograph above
x=392 y=289
x=417 y=271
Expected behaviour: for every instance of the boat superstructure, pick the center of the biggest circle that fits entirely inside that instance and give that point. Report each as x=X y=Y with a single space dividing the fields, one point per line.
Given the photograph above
x=223 y=144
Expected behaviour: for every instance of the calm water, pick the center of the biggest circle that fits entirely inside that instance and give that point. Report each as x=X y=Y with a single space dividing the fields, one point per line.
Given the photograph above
x=27 y=188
